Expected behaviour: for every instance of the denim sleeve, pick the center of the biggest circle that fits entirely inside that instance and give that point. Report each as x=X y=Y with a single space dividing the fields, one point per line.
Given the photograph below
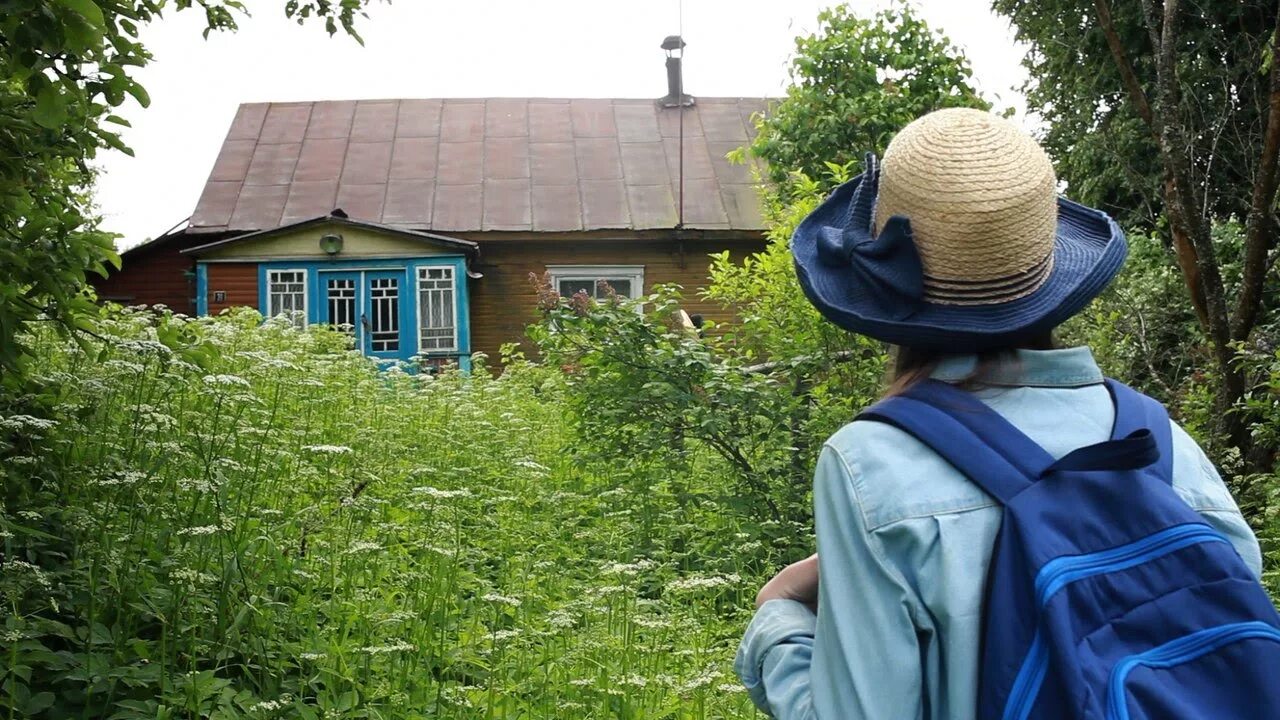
x=861 y=659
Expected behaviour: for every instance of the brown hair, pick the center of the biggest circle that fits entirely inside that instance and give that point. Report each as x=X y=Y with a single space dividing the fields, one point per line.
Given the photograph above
x=912 y=365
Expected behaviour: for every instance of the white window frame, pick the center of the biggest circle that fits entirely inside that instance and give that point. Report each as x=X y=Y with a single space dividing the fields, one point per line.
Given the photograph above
x=595 y=273
x=419 y=271
x=306 y=292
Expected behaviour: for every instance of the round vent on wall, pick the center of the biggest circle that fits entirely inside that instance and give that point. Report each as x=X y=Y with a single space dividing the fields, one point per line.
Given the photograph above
x=331 y=243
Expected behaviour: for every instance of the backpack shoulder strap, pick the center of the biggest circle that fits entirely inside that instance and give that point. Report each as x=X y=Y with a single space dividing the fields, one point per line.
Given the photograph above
x=967 y=433
x=1135 y=412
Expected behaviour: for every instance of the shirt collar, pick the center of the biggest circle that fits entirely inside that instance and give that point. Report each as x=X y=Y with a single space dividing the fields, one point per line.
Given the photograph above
x=1068 y=367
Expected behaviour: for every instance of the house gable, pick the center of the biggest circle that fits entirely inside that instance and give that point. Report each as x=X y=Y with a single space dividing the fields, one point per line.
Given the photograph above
x=302 y=241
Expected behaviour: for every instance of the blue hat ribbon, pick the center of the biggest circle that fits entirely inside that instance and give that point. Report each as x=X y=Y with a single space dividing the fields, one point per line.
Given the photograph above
x=887 y=264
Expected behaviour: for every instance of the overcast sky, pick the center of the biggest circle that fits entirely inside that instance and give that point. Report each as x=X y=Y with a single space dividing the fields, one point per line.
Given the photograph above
x=476 y=48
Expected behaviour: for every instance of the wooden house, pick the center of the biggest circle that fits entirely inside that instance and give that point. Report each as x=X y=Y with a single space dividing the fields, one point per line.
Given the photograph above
x=418 y=222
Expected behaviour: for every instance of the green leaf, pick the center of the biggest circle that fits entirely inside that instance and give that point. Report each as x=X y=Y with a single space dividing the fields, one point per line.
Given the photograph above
x=38 y=703
x=51 y=107
x=88 y=10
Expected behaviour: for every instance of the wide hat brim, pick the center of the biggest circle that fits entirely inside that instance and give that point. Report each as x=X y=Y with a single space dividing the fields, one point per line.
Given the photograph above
x=1089 y=249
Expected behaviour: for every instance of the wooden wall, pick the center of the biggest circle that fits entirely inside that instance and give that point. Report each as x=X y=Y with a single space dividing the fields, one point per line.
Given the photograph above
x=159 y=274
x=238 y=280
x=503 y=302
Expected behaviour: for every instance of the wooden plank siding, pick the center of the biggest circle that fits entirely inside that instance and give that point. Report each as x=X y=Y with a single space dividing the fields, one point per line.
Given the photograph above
x=162 y=275
x=238 y=280
x=504 y=303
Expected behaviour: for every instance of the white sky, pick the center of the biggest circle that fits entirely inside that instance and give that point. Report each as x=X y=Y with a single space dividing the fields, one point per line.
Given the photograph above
x=476 y=48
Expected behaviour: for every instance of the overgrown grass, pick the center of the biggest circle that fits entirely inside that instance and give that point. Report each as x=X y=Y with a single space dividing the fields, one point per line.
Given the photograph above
x=222 y=518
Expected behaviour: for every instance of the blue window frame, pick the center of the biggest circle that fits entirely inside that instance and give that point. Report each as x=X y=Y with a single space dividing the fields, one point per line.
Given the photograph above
x=394 y=309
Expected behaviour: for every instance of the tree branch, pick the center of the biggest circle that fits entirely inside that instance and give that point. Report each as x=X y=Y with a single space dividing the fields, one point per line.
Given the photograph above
x=1127 y=76
x=1259 y=234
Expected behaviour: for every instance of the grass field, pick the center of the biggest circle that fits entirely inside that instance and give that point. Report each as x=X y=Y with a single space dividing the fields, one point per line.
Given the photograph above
x=241 y=520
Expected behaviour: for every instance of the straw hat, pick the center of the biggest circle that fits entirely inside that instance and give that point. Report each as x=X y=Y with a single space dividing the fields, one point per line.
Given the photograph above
x=957 y=242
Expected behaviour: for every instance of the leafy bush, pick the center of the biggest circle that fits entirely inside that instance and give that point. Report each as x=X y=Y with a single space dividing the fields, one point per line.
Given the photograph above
x=227 y=519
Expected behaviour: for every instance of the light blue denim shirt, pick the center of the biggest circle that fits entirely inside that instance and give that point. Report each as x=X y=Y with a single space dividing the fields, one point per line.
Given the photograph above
x=904 y=542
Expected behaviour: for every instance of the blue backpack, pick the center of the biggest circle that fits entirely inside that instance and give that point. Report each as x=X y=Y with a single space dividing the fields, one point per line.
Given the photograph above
x=1108 y=597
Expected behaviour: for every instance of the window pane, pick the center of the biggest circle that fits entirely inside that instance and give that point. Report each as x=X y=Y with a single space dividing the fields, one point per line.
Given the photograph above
x=384 y=296
x=436 y=309
x=286 y=294
x=620 y=286
x=569 y=288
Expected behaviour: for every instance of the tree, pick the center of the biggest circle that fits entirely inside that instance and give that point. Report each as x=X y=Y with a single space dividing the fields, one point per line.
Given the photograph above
x=856 y=82
x=64 y=66
x=1170 y=115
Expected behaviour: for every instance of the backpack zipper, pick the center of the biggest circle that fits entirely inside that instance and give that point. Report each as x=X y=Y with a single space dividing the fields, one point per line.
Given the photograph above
x=1060 y=572
x=1176 y=652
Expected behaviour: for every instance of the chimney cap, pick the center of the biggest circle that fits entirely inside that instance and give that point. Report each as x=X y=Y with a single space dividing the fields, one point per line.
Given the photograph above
x=673 y=42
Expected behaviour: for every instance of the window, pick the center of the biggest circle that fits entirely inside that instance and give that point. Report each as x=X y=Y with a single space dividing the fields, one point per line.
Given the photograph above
x=437 y=310
x=626 y=280
x=384 y=306
x=287 y=295
x=342 y=304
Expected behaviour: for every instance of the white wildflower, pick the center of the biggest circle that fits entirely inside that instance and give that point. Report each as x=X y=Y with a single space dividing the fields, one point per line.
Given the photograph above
x=199 y=530
x=360 y=546
x=398 y=646
x=225 y=381
x=327 y=449
x=26 y=423
x=501 y=599
x=703 y=582
x=441 y=494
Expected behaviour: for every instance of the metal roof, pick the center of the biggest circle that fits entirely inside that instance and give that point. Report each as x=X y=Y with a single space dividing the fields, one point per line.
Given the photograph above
x=468 y=165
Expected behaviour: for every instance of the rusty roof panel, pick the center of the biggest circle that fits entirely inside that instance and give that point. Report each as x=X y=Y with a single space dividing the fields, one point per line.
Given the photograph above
x=697 y=160
x=418 y=118
x=549 y=122
x=728 y=173
x=259 y=207
x=604 y=204
x=409 y=202
x=645 y=163
x=598 y=159
x=669 y=123
x=462 y=122
x=505 y=118
x=703 y=206
x=722 y=122
x=233 y=160
x=460 y=164
x=331 y=120
x=506 y=158
x=413 y=158
x=285 y=123
x=506 y=205
x=742 y=204
x=362 y=201
x=556 y=208
x=308 y=199
x=652 y=206
x=457 y=207
x=538 y=164
x=636 y=123
x=592 y=118
x=367 y=163
x=216 y=204
x=321 y=159
x=553 y=163
x=273 y=164
x=247 y=124
x=374 y=121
